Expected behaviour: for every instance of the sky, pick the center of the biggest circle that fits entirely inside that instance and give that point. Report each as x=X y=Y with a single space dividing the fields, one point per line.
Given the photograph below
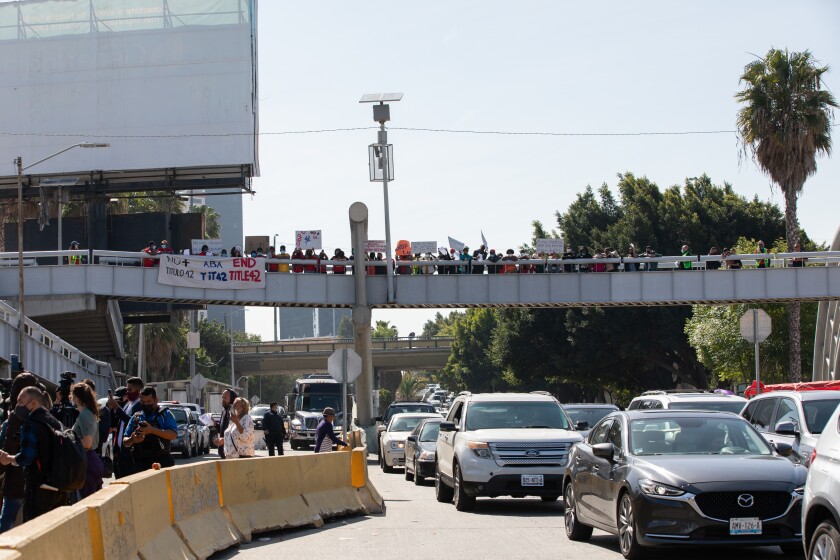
x=554 y=66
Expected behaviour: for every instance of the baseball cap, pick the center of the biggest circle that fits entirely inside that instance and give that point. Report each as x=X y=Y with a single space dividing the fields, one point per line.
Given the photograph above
x=329 y=411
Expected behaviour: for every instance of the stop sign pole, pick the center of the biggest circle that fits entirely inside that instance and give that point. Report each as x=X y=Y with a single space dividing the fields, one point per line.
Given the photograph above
x=756 y=326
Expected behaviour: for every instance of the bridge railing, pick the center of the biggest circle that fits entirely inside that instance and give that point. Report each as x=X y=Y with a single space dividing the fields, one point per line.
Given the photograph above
x=551 y=265
x=329 y=345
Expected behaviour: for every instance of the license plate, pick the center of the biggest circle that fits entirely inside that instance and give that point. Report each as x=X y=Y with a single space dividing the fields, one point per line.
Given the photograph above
x=745 y=526
x=532 y=480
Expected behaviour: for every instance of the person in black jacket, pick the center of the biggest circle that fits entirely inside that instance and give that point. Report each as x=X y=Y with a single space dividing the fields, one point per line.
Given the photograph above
x=122 y=412
x=228 y=396
x=274 y=430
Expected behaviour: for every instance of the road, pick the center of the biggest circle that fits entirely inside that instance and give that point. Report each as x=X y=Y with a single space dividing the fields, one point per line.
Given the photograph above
x=416 y=526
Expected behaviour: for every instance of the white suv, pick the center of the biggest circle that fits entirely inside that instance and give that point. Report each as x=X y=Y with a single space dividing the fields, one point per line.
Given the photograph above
x=688 y=400
x=821 y=505
x=502 y=444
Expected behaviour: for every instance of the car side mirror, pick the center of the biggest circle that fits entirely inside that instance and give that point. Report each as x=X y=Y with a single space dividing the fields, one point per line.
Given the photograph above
x=786 y=428
x=783 y=449
x=604 y=451
x=378 y=419
x=448 y=427
x=380 y=428
x=411 y=438
x=582 y=425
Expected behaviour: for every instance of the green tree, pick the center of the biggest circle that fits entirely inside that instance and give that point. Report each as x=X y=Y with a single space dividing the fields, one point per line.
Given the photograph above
x=410 y=385
x=441 y=325
x=383 y=329
x=212 y=221
x=471 y=365
x=784 y=123
x=345 y=328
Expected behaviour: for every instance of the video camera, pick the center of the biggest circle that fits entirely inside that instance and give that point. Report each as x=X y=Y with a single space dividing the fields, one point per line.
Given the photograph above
x=64 y=411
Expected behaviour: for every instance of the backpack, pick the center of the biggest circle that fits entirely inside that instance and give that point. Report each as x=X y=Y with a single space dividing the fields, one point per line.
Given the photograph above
x=67 y=466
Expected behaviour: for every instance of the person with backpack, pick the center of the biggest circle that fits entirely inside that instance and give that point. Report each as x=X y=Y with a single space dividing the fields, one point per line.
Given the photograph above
x=149 y=433
x=35 y=456
x=86 y=430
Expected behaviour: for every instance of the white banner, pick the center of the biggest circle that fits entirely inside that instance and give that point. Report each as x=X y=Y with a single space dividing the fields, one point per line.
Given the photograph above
x=241 y=273
x=551 y=245
x=308 y=239
x=455 y=244
x=215 y=246
x=375 y=246
x=423 y=247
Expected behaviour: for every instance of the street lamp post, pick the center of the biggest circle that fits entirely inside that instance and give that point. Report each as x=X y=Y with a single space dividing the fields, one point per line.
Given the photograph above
x=21 y=299
x=381 y=164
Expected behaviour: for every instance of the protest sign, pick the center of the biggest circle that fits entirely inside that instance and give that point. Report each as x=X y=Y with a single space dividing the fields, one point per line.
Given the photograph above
x=455 y=244
x=423 y=247
x=214 y=245
x=310 y=239
x=255 y=243
x=548 y=246
x=403 y=248
x=375 y=246
x=240 y=273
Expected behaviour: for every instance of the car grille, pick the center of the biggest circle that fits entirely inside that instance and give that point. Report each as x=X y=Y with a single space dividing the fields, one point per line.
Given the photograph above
x=724 y=505
x=311 y=423
x=531 y=453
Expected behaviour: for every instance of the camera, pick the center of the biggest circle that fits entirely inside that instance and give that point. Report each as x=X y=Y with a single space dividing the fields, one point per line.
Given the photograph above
x=66 y=382
x=65 y=412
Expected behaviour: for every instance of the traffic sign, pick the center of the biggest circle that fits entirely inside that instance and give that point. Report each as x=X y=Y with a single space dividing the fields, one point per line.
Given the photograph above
x=756 y=325
x=344 y=365
x=198 y=382
x=255 y=400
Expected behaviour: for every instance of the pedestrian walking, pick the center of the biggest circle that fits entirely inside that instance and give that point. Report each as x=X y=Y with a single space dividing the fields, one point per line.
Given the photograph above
x=274 y=430
x=325 y=434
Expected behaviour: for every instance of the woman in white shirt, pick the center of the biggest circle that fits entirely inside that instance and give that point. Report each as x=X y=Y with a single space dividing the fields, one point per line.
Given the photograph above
x=239 y=435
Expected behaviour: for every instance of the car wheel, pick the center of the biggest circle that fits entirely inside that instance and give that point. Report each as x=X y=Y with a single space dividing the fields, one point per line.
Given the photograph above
x=627 y=542
x=443 y=493
x=187 y=452
x=463 y=502
x=418 y=480
x=575 y=531
x=825 y=543
x=408 y=474
x=195 y=450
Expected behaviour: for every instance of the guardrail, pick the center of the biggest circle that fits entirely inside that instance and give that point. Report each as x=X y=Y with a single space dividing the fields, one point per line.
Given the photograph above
x=660 y=262
x=193 y=511
x=307 y=346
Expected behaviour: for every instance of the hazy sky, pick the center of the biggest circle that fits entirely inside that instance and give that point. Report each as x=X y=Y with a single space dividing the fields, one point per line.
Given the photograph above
x=527 y=66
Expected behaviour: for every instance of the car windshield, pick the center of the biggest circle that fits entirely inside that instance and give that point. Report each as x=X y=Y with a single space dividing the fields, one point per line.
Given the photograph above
x=430 y=431
x=259 y=411
x=721 y=406
x=180 y=415
x=818 y=412
x=408 y=408
x=516 y=414
x=592 y=415
x=404 y=424
x=695 y=435
x=317 y=403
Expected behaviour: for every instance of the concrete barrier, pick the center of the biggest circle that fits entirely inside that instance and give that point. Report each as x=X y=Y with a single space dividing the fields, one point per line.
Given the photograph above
x=359 y=480
x=263 y=494
x=325 y=484
x=196 y=508
x=60 y=533
x=112 y=530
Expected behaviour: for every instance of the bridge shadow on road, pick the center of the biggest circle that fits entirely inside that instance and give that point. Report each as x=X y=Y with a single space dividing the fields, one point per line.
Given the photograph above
x=609 y=543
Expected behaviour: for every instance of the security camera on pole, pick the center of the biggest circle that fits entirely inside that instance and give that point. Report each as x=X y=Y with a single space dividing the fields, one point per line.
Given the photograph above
x=756 y=326
x=381 y=164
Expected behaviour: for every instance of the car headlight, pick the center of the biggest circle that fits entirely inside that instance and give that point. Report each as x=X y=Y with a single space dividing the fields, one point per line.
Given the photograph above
x=397 y=445
x=653 y=488
x=480 y=448
x=427 y=456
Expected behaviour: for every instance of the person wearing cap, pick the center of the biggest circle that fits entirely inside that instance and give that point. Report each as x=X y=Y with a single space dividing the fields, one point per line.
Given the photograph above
x=493 y=257
x=75 y=259
x=151 y=249
x=165 y=249
x=274 y=429
x=283 y=267
x=325 y=435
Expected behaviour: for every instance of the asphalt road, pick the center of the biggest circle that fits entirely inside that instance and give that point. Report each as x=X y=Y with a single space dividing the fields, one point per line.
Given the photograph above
x=416 y=526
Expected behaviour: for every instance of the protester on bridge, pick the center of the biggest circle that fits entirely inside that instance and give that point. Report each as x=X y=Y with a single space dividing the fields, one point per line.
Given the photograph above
x=339 y=268
x=713 y=265
x=205 y=251
x=224 y=253
x=443 y=255
x=272 y=267
x=731 y=264
x=612 y=254
x=150 y=432
x=631 y=254
x=34 y=454
x=510 y=263
x=684 y=265
x=239 y=435
x=466 y=261
x=325 y=435
x=312 y=268
x=283 y=267
x=75 y=259
x=797 y=261
x=583 y=253
x=13 y=479
x=86 y=430
x=236 y=251
x=598 y=267
x=151 y=249
x=493 y=258
x=568 y=254
x=228 y=396
x=762 y=250
x=165 y=249
x=477 y=256
x=123 y=412
x=274 y=429
x=322 y=265
x=297 y=255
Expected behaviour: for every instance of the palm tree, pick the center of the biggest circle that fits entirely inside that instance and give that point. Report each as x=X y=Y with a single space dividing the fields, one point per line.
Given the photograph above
x=410 y=385
x=785 y=122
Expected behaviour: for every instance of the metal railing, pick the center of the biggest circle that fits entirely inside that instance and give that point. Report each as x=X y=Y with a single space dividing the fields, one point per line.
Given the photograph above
x=329 y=345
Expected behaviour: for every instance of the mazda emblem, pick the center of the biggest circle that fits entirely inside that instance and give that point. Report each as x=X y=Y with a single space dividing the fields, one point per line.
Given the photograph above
x=746 y=500
x=532 y=453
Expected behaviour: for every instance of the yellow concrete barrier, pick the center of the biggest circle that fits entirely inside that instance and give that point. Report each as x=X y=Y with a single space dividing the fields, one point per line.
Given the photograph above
x=154 y=517
x=366 y=492
x=58 y=534
x=263 y=494
x=325 y=484
x=196 y=508
x=111 y=514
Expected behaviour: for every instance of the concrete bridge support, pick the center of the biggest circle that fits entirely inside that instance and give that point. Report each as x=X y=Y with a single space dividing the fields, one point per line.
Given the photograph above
x=361 y=321
x=827 y=337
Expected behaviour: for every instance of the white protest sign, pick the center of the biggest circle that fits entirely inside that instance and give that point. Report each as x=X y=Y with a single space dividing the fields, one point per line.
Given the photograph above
x=423 y=247
x=240 y=273
x=310 y=239
x=375 y=246
x=214 y=245
x=455 y=244
x=550 y=245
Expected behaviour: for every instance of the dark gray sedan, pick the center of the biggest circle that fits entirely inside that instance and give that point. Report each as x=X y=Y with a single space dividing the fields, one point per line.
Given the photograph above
x=420 y=450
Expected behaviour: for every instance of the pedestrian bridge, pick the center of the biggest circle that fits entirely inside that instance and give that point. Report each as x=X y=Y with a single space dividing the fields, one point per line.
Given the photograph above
x=305 y=356
x=820 y=280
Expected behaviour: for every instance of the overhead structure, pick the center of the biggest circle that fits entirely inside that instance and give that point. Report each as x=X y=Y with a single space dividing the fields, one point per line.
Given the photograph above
x=827 y=338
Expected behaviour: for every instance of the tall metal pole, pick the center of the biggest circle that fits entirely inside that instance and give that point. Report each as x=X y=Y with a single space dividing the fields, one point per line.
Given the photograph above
x=755 y=337
x=21 y=302
x=383 y=139
x=192 y=358
x=60 y=240
x=232 y=368
x=141 y=352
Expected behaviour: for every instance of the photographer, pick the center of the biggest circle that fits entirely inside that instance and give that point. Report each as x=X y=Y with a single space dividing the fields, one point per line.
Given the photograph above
x=123 y=412
x=150 y=432
x=62 y=408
